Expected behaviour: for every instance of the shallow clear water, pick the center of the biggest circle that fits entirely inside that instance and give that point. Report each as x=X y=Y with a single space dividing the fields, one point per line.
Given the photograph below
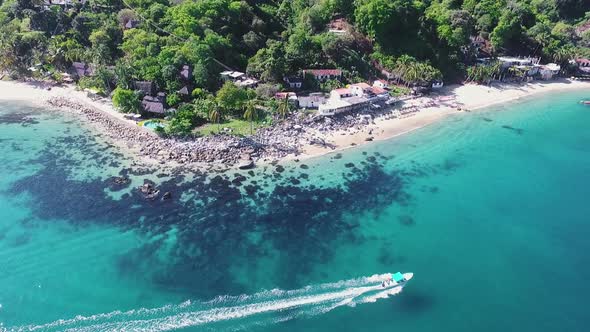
x=488 y=209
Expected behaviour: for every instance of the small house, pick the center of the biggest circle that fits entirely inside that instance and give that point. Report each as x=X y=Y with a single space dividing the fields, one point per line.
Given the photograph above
x=583 y=62
x=548 y=71
x=186 y=73
x=294 y=82
x=156 y=105
x=323 y=75
x=338 y=26
x=247 y=83
x=284 y=95
x=132 y=24
x=148 y=88
x=232 y=75
x=184 y=91
x=82 y=69
x=361 y=89
x=383 y=84
x=314 y=100
x=341 y=93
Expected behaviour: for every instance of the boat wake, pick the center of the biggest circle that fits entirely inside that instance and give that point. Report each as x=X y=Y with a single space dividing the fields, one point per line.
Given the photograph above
x=241 y=312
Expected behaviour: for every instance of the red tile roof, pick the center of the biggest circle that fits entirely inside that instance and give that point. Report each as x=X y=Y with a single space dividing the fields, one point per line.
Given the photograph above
x=377 y=90
x=361 y=85
x=342 y=91
x=324 y=72
x=283 y=95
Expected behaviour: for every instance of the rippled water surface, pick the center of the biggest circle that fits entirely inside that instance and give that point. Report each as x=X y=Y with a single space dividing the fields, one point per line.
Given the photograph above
x=488 y=209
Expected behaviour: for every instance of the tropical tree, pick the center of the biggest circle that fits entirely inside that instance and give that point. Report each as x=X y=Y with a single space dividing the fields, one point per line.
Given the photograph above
x=127 y=101
x=231 y=97
x=283 y=108
x=251 y=114
x=215 y=115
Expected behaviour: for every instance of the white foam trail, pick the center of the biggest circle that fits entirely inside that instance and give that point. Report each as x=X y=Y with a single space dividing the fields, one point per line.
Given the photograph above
x=310 y=300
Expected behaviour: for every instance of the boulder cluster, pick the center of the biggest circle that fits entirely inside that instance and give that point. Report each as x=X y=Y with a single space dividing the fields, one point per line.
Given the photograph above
x=271 y=143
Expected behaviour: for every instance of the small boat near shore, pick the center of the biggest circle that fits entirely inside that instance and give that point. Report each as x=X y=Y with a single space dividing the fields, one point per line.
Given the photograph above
x=585 y=102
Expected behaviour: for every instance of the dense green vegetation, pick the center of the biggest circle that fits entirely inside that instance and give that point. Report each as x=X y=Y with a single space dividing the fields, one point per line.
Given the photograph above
x=150 y=40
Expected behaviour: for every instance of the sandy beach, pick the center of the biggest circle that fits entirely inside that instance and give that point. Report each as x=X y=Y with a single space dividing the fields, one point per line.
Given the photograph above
x=451 y=100
x=423 y=111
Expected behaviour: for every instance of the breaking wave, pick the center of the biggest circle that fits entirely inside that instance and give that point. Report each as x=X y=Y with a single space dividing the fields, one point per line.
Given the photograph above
x=262 y=308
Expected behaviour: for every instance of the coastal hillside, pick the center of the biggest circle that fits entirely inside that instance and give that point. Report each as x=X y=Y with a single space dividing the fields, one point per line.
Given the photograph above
x=180 y=53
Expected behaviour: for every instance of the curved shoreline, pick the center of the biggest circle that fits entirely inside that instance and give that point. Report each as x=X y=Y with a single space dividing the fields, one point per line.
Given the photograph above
x=456 y=100
x=290 y=140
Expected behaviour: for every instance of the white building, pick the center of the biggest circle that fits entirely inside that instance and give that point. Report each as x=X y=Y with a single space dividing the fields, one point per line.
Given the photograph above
x=355 y=97
x=381 y=84
x=549 y=70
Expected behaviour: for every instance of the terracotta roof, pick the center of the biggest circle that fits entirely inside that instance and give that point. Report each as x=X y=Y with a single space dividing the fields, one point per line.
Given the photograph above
x=324 y=72
x=283 y=95
x=378 y=90
x=342 y=91
x=361 y=85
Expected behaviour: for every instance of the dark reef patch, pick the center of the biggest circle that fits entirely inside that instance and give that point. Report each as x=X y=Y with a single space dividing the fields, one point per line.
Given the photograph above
x=22 y=118
x=300 y=221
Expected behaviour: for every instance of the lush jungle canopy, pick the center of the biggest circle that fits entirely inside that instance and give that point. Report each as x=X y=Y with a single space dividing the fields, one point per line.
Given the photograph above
x=151 y=40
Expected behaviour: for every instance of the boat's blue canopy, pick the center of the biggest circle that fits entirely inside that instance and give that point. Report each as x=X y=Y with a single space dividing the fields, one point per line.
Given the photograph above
x=398 y=277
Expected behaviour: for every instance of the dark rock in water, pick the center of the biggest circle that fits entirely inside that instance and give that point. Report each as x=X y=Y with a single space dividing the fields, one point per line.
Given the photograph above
x=250 y=189
x=303 y=166
x=349 y=165
x=518 y=131
x=167 y=195
x=149 y=191
x=371 y=159
x=280 y=169
x=337 y=156
x=364 y=153
x=121 y=181
x=294 y=181
x=251 y=173
x=406 y=220
x=487 y=120
x=246 y=164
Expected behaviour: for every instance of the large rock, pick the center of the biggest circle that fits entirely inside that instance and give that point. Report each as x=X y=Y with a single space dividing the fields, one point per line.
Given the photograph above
x=246 y=164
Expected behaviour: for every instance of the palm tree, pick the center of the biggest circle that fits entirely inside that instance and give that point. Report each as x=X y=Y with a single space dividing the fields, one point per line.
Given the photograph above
x=412 y=73
x=215 y=116
x=284 y=108
x=251 y=114
x=402 y=64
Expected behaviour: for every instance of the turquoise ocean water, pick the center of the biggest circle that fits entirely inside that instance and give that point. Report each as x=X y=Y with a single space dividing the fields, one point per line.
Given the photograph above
x=489 y=209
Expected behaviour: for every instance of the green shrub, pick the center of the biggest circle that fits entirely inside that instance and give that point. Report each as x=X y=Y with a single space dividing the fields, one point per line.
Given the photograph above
x=126 y=101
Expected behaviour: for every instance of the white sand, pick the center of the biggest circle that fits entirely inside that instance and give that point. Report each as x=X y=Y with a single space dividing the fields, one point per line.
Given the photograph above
x=447 y=102
x=432 y=108
x=37 y=93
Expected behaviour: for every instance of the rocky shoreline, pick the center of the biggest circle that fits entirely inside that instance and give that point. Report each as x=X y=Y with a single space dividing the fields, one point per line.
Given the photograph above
x=269 y=144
